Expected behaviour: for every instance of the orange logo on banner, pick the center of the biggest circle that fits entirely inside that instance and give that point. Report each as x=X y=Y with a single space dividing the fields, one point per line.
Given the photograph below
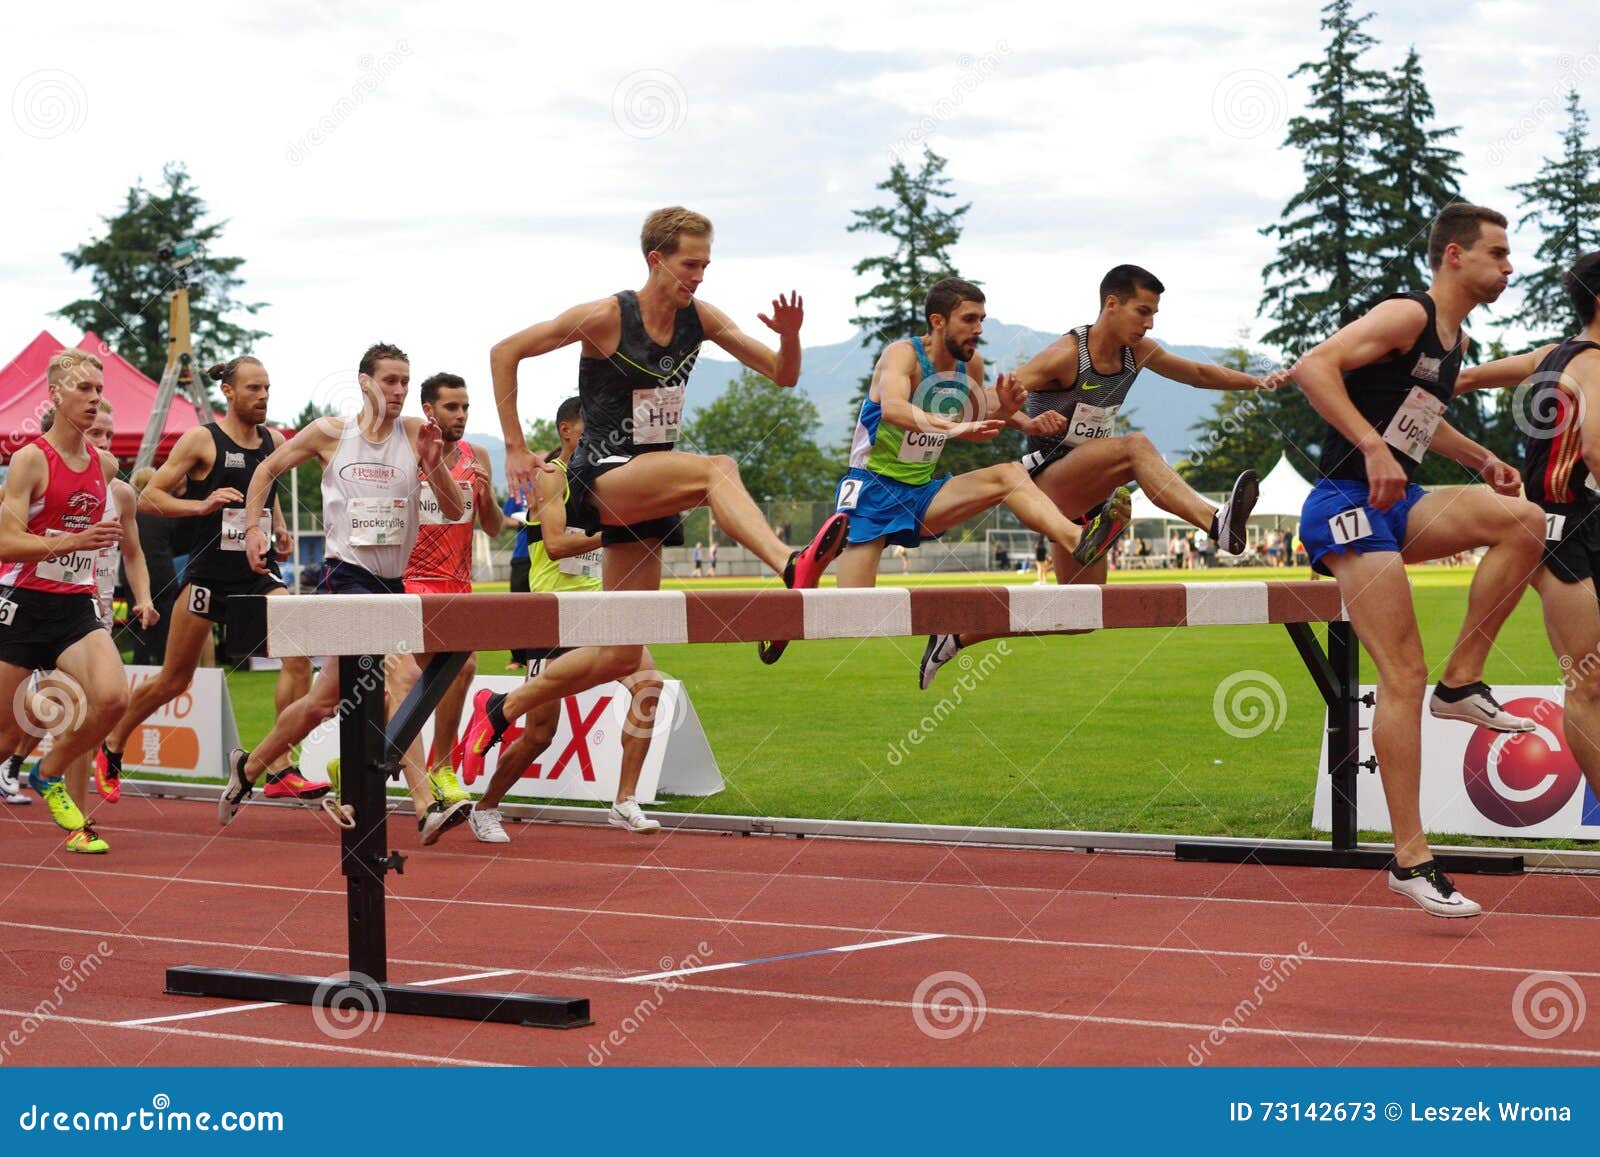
x=174 y=748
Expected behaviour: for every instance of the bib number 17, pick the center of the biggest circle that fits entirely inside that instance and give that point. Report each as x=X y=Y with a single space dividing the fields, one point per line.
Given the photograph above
x=1350 y=526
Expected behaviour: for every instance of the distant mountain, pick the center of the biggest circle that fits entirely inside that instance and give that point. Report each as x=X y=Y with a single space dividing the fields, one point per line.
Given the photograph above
x=1162 y=408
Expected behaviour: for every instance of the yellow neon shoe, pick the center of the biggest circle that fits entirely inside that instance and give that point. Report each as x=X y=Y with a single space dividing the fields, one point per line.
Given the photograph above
x=62 y=808
x=332 y=772
x=445 y=786
x=88 y=841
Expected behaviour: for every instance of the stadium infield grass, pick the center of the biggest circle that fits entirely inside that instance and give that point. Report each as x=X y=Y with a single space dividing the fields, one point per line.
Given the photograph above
x=1112 y=731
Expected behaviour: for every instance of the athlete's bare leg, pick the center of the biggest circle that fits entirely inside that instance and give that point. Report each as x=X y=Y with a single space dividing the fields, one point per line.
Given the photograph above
x=1572 y=620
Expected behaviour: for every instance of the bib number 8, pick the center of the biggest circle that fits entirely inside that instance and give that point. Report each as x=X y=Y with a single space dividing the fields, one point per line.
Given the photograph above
x=1350 y=526
x=199 y=600
x=849 y=493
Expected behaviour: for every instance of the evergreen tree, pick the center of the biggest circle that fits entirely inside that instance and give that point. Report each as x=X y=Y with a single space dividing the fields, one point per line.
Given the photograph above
x=131 y=284
x=1417 y=174
x=1563 y=201
x=1324 y=272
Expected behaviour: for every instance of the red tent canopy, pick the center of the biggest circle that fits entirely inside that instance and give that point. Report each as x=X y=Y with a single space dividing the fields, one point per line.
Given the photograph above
x=25 y=396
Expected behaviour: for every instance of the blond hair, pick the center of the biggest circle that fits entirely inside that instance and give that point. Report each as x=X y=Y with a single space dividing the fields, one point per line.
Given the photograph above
x=663 y=228
x=65 y=365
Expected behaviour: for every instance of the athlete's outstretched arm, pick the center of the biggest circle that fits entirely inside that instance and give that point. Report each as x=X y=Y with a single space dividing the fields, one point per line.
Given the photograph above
x=584 y=323
x=893 y=379
x=1050 y=369
x=1457 y=447
x=315 y=441
x=160 y=496
x=1153 y=356
x=782 y=366
x=1502 y=372
x=1389 y=328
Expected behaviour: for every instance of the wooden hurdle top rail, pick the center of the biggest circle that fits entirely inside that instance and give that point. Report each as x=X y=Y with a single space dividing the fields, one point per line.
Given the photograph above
x=386 y=624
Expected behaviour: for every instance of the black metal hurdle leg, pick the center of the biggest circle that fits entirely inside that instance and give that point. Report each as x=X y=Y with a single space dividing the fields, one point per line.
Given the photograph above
x=1337 y=674
x=368 y=754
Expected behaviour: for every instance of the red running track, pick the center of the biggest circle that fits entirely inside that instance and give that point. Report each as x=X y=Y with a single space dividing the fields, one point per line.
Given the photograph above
x=969 y=956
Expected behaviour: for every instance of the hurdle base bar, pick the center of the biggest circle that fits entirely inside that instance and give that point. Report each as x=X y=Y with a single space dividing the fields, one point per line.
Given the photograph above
x=484 y=1007
x=1371 y=859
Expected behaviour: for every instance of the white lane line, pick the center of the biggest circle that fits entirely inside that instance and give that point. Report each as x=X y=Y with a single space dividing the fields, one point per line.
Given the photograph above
x=784 y=956
x=280 y=1004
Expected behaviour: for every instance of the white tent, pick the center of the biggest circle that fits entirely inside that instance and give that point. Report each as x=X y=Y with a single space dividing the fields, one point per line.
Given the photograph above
x=1283 y=491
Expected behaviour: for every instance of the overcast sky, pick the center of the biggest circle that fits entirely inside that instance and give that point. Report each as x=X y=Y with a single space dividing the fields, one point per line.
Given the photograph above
x=440 y=175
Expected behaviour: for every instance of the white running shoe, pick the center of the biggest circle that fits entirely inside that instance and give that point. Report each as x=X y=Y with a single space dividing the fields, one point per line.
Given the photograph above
x=1235 y=512
x=1478 y=707
x=1432 y=890
x=10 y=783
x=486 y=824
x=940 y=650
x=236 y=790
x=629 y=816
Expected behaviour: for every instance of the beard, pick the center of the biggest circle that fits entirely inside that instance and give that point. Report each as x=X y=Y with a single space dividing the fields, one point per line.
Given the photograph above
x=957 y=349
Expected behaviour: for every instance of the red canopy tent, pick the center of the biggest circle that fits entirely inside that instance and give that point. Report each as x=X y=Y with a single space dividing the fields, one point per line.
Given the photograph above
x=25 y=396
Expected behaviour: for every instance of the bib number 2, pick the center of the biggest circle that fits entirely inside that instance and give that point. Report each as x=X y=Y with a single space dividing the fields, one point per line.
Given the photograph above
x=1350 y=526
x=849 y=494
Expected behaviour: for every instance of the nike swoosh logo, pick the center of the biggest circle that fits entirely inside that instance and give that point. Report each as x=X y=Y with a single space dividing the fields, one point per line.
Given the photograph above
x=1086 y=387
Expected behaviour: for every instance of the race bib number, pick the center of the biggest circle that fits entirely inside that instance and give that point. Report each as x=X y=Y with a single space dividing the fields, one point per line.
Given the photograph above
x=1554 y=526
x=849 y=494
x=657 y=414
x=1350 y=525
x=585 y=565
x=1410 y=431
x=8 y=612
x=921 y=446
x=199 y=600
x=1090 y=422
x=377 y=521
x=233 y=527
x=432 y=515
x=75 y=569
x=105 y=566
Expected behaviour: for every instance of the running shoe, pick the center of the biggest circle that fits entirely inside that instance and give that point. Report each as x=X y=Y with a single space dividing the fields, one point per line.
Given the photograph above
x=442 y=780
x=290 y=784
x=236 y=790
x=87 y=841
x=1432 y=890
x=939 y=651
x=332 y=772
x=11 y=782
x=805 y=568
x=487 y=824
x=108 y=773
x=441 y=817
x=1104 y=528
x=629 y=816
x=479 y=737
x=62 y=808
x=1229 y=527
x=1475 y=703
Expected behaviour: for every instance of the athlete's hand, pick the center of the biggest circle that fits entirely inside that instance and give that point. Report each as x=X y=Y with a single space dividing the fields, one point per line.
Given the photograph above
x=217 y=499
x=787 y=314
x=1502 y=476
x=1386 y=482
x=976 y=431
x=430 y=445
x=147 y=615
x=1010 y=394
x=282 y=543
x=521 y=465
x=97 y=538
x=255 y=548
x=1048 y=423
x=481 y=484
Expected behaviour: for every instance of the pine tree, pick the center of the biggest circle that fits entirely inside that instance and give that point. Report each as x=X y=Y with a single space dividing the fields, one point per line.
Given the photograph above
x=131 y=284
x=1325 y=267
x=1417 y=174
x=1563 y=201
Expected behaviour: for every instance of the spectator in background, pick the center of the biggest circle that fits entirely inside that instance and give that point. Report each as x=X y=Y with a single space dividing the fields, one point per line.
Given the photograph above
x=1041 y=555
x=697 y=572
x=711 y=553
x=1175 y=551
x=155 y=533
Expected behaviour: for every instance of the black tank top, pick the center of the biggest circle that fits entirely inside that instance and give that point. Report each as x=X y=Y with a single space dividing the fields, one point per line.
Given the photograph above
x=633 y=400
x=218 y=544
x=1089 y=402
x=1386 y=394
x=1555 y=473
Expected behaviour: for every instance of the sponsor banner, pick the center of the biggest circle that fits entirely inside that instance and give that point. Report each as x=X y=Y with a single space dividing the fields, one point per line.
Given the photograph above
x=584 y=761
x=1484 y=783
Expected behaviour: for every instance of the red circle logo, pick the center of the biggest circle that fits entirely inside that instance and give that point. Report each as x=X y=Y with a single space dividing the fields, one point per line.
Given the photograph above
x=1520 y=779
